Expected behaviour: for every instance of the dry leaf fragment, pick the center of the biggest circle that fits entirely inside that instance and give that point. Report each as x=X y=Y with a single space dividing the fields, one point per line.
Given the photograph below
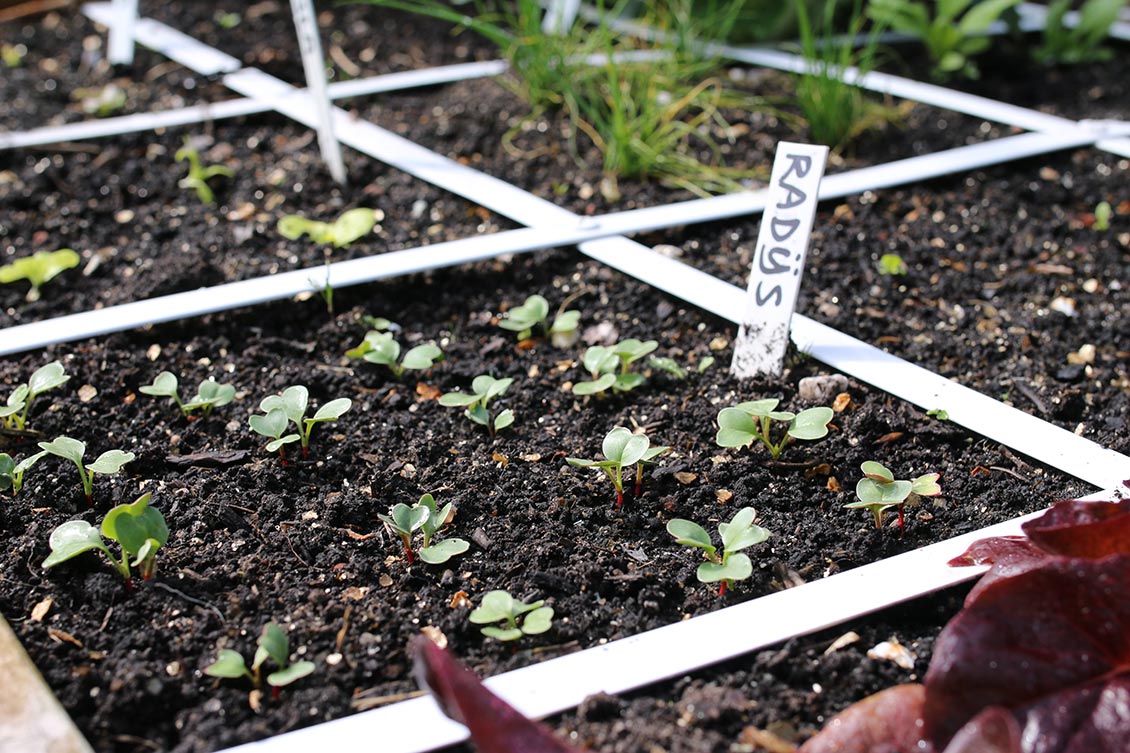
x=764 y=740
x=685 y=477
x=889 y=437
x=980 y=470
x=723 y=496
x=358 y=536
x=459 y=599
x=385 y=581
x=842 y=402
x=62 y=636
x=87 y=392
x=435 y=635
x=894 y=651
x=1085 y=354
x=40 y=610
x=427 y=392
x=532 y=457
x=355 y=593
x=820 y=469
x=255 y=700
x=833 y=484
x=846 y=639
x=498 y=457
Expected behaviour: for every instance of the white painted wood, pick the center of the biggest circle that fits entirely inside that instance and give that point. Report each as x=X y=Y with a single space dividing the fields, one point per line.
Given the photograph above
x=120 y=45
x=778 y=260
x=560 y=16
x=310 y=43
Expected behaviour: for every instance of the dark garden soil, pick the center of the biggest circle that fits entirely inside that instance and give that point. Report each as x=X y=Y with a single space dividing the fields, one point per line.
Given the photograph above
x=253 y=540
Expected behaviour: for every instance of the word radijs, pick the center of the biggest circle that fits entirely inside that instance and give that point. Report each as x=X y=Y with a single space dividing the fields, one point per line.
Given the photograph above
x=403 y=521
x=108 y=463
x=14 y=414
x=622 y=448
x=273 y=644
x=500 y=606
x=534 y=313
x=39 y=269
x=139 y=529
x=199 y=175
x=741 y=425
x=879 y=491
x=610 y=366
x=731 y=564
x=279 y=411
x=348 y=227
x=209 y=394
x=483 y=389
x=380 y=347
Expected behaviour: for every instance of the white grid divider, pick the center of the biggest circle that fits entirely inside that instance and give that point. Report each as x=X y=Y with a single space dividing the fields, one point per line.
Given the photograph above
x=623 y=665
x=120 y=46
x=543 y=688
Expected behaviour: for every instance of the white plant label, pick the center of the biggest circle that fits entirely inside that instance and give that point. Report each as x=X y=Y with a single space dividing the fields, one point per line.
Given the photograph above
x=560 y=15
x=778 y=261
x=120 y=46
x=313 y=62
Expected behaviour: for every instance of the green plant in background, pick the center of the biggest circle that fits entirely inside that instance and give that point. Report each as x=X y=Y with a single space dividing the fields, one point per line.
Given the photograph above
x=12 y=55
x=14 y=413
x=534 y=314
x=199 y=174
x=348 y=227
x=892 y=264
x=879 y=491
x=758 y=20
x=100 y=101
x=210 y=394
x=500 y=606
x=273 y=644
x=1103 y=213
x=39 y=269
x=227 y=21
x=1081 y=43
x=280 y=411
x=939 y=413
x=108 y=463
x=622 y=449
x=484 y=388
x=12 y=473
x=741 y=425
x=380 y=347
x=139 y=530
x=836 y=111
x=423 y=516
x=731 y=563
x=953 y=35
x=610 y=366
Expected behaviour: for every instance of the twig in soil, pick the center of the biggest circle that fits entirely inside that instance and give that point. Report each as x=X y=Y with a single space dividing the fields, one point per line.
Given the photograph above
x=1009 y=471
x=282 y=529
x=1029 y=393
x=1016 y=461
x=557 y=647
x=105 y=619
x=190 y=599
x=344 y=627
x=364 y=704
x=32 y=7
x=132 y=740
x=780 y=466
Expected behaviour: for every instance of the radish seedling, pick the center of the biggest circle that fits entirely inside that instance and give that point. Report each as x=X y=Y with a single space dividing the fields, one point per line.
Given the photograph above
x=404 y=521
x=348 y=227
x=108 y=463
x=12 y=473
x=279 y=411
x=209 y=394
x=483 y=389
x=273 y=644
x=731 y=564
x=622 y=448
x=199 y=175
x=15 y=413
x=535 y=313
x=38 y=269
x=381 y=348
x=139 y=529
x=610 y=366
x=499 y=606
x=741 y=425
x=879 y=490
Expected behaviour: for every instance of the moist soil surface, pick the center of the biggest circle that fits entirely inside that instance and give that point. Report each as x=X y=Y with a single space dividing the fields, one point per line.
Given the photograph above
x=253 y=540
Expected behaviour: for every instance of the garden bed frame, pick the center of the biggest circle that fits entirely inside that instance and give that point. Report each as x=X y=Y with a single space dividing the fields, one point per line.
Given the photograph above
x=556 y=685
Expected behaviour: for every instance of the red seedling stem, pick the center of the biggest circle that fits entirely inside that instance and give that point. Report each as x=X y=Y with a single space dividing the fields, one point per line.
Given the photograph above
x=282 y=455
x=408 y=554
x=722 y=588
x=275 y=690
x=619 y=497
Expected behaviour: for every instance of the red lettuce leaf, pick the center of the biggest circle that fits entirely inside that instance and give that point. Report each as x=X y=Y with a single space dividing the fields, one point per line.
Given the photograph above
x=1052 y=645
x=994 y=730
x=1082 y=529
x=889 y=721
x=495 y=725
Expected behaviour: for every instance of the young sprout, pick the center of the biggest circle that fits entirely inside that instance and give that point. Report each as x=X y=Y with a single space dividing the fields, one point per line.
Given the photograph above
x=100 y=101
x=609 y=366
x=15 y=413
x=139 y=529
x=879 y=490
x=279 y=411
x=939 y=413
x=380 y=348
x=892 y=264
x=483 y=389
x=199 y=175
x=12 y=473
x=347 y=228
x=108 y=463
x=535 y=313
x=732 y=563
x=498 y=606
x=741 y=425
x=273 y=644
x=209 y=394
x=423 y=516
x=39 y=269
x=621 y=449
x=1103 y=213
